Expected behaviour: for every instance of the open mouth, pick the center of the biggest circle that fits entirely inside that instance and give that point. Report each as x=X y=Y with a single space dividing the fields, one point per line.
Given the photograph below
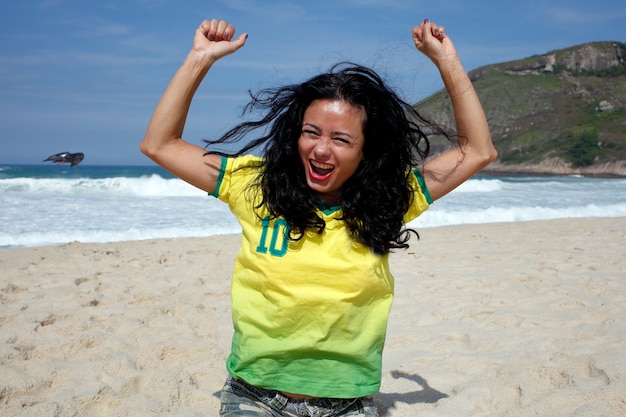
x=320 y=171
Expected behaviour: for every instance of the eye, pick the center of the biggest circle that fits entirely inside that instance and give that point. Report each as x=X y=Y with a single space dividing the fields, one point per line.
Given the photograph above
x=310 y=133
x=341 y=139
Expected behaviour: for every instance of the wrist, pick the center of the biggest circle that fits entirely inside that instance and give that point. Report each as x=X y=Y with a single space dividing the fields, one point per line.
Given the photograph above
x=199 y=60
x=454 y=76
x=449 y=64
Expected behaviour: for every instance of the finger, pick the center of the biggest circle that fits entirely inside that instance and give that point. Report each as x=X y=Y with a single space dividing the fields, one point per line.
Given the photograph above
x=221 y=33
x=213 y=24
x=240 y=41
x=419 y=31
x=427 y=29
x=220 y=30
x=422 y=33
x=229 y=32
x=438 y=31
x=417 y=34
x=204 y=27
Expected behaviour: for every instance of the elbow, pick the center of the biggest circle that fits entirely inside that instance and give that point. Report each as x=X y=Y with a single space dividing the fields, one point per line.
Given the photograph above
x=145 y=149
x=492 y=155
x=148 y=149
x=487 y=156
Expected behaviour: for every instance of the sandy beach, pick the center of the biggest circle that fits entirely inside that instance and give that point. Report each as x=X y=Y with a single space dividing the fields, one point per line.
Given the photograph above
x=504 y=319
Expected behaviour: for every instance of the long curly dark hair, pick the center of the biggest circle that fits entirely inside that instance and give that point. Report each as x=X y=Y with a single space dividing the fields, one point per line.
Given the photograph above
x=375 y=199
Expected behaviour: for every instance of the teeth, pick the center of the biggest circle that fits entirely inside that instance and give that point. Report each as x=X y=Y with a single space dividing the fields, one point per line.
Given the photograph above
x=321 y=166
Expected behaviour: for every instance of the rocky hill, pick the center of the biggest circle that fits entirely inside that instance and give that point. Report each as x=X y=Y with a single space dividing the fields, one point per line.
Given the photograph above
x=559 y=113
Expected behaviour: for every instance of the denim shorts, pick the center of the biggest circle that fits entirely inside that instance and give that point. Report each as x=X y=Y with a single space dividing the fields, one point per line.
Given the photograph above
x=239 y=398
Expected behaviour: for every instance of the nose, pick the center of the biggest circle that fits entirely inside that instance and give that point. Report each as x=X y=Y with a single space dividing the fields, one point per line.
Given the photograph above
x=322 y=147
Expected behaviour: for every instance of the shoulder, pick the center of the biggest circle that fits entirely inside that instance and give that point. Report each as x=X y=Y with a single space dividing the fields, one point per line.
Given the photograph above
x=232 y=165
x=418 y=183
x=236 y=173
x=421 y=197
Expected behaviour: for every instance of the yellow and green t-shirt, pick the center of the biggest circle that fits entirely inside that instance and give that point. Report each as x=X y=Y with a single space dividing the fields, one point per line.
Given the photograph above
x=310 y=317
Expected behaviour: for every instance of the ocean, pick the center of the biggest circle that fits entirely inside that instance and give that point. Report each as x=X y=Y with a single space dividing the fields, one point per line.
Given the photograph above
x=55 y=204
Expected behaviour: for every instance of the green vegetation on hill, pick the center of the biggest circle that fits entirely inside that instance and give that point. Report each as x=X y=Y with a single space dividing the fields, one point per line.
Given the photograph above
x=567 y=105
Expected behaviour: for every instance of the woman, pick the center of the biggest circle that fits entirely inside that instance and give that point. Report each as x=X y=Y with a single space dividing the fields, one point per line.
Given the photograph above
x=320 y=211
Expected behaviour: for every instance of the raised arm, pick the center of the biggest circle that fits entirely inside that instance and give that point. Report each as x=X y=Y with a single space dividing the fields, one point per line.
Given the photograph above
x=163 y=141
x=475 y=151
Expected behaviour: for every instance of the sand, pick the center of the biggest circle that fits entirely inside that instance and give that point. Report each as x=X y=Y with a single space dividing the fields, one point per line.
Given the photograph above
x=509 y=319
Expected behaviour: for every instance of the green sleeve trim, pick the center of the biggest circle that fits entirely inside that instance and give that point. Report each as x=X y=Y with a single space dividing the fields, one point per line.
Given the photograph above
x=422 y=183
x=220 y=178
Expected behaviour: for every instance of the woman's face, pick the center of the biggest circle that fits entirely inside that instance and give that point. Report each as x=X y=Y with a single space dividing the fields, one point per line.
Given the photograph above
x=331 y=146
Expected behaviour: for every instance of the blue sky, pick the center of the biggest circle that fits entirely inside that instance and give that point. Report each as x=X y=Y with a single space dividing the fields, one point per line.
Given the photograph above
x=84 y=76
